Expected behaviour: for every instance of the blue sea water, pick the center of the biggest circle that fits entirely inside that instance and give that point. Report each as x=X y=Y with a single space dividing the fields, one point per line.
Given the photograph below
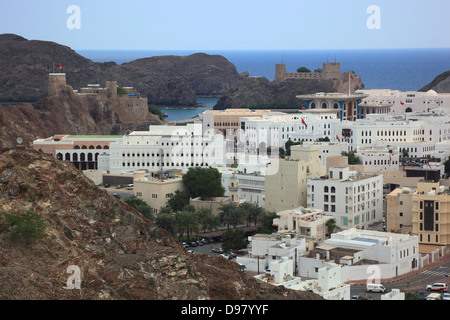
x=396 y=69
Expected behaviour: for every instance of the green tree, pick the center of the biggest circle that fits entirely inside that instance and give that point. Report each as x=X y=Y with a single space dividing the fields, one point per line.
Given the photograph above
x=29 y=227
x=330 y=224
x=303 y=69
x=288 y=145
x=318 y=70
x=121 y=90
x=141 y=206
x=234 y=239
x=252 y=212
x=203 y=182
x=405 y=153
x=267 y=222
x=178 y=200
x=225 y=213
x=166 y=221
x=352 y=157
x=207 y=220
x=155 y=110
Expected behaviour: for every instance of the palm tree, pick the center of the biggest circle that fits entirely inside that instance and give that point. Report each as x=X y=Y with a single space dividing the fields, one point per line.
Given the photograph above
x=247 y=208
x=331 y=224
x=224 y=212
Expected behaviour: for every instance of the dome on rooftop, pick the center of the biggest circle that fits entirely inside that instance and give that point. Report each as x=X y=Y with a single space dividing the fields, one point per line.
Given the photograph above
x=431 y=93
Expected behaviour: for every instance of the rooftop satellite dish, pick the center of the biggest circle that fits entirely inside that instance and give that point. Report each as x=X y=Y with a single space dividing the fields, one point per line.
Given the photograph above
x=19 y=140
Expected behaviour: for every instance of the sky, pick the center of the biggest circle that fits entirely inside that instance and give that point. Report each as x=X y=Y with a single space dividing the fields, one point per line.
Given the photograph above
x=230 y=24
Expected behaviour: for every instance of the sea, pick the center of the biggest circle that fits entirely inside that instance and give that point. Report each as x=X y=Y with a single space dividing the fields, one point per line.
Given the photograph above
x=396 y=69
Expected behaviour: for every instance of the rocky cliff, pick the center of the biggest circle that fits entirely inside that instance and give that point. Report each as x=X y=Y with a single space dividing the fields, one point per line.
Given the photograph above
x=440 y=84
x=68 y=113
x=165 y=80
x=119 y=253
x=259 y=91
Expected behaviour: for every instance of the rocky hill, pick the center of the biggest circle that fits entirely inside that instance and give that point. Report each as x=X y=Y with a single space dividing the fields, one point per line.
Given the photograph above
x=259 y=91
x=67 y=113
x=440 y=84
x=120 y=254
x=164 y=80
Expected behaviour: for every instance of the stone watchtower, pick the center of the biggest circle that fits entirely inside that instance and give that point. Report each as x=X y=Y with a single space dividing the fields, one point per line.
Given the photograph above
x=111 y=87
x=56 y=83
x=331 y=70
x=280 y=72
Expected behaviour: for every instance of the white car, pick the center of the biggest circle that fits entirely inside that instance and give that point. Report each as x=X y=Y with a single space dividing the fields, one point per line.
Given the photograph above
x=226 y=256
x=446 y=296
x=437 y=287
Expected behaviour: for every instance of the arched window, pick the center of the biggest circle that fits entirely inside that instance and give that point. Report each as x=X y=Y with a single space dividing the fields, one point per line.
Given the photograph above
x=77 y=147
x=91 y=147
x=106 y=147
x=98 y=147
x=325 y=189
x=408 y=110
x=67 y=157
x=336 y=105
x=83 y=147
x=333 y=190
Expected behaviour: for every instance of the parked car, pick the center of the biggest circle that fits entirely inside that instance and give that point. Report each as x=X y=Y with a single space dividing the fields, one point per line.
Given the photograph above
x=375 y=287
x=107 y=185
x=437 y=287
x=115 y=195
x=193 y=244
x=354 y=298
x=199 y=242
x=119 y=186
x=191 y=251
x=422 y=295
x=186 y=245
x=217 y=250
x=226 y=256
x=130 y=186
x=446 y=296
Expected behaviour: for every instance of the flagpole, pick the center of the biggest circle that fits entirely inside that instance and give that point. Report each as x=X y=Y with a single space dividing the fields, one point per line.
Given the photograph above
x=349 y=83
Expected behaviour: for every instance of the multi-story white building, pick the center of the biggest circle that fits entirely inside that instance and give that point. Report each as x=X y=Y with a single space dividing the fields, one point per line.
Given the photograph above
x=328 y=149
x=355 y=200
x=405 y=101
x=275 y=130
x=364 y=255
x=415 y=133
x=167 y=147
x=375 y=159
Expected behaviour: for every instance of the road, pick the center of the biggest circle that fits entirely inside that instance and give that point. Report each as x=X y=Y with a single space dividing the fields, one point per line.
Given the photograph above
x=123 y=193
x=417 y=282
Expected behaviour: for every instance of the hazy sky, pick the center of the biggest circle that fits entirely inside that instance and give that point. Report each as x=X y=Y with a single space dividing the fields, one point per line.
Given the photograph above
x=230 y=24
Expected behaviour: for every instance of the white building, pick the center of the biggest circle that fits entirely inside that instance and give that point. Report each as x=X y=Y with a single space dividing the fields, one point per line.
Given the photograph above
x=378 y=158
x=304 y=222
x=353 y=199
x=167 y=147
x=365 y=255
x=406 y=101
x=265 y=248
x=327 y=285
x=328 y=149
x=416 y=134
x=276 y=130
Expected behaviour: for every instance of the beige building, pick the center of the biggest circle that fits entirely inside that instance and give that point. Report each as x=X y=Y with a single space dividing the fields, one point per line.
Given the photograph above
x=399 y=210
x=155 y=189
x=213 y=204
x=228 y=121
x=431 y=213
x=303 y=222
x=286 y=189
